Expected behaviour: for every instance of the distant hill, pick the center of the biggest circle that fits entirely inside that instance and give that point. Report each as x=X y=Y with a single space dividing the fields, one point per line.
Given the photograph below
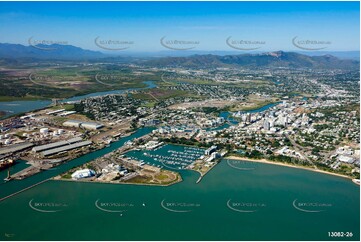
x=20 y=53
x=268 y=59
x=54 y=51
x=347 y=55
x=350 y=55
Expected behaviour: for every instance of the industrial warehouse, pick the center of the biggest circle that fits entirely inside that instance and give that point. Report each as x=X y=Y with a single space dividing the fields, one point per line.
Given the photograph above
x=15 y=148
x=66 y=148
x=56 y=144
x=81 y=124
x=61 y=146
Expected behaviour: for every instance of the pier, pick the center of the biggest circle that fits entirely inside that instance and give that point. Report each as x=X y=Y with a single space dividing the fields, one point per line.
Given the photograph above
x=23 y=190
x=199 y=179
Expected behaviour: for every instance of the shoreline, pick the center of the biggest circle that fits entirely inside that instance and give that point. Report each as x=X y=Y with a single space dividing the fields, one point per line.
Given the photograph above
x=265 y=161
x=57 y=178
x=201 y=175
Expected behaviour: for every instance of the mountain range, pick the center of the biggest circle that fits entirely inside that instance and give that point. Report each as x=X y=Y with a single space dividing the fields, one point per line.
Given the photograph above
x=54 y=51
x=11 y=52
x=268 y=59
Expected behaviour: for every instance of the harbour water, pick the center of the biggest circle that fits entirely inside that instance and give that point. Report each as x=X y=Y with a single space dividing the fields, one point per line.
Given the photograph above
x=229 y=204
x=171 y=157
x=232 y=121
x=150 y=84
x=263 y=108
x=228 y=115
x=15 y=107
x=19 y=165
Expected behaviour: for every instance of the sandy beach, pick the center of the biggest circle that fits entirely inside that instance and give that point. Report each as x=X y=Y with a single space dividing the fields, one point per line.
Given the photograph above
x=285 y=164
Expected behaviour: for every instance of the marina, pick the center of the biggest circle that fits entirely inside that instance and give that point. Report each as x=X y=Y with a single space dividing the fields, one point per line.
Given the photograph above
x=168 y=156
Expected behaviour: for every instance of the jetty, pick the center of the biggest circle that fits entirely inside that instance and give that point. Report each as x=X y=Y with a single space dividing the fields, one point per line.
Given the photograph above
x=23 y=190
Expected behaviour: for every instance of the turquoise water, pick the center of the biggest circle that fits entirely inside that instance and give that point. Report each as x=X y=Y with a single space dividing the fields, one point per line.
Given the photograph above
x=263 y=108
x=171 y=157
x=15 y=107
x=228 y=115
x=19 y=165
x=270 y=190
x=150 y=84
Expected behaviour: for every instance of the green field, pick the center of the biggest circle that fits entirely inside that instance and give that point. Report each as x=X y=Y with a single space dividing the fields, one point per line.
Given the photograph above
x=29 y=83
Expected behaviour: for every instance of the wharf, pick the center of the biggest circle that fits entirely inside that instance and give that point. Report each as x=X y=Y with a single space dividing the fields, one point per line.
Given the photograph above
x=23 y=190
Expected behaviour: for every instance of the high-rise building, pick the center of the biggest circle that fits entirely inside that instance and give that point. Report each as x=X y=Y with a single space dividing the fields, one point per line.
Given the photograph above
x=266 y=125
x=248 y=119
x=210 y=150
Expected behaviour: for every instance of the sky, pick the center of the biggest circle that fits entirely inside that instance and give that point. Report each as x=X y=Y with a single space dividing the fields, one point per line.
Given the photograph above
x=204 y=26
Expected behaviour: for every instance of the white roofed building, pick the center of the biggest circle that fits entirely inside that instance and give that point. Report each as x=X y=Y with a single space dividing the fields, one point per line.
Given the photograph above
x=79 y=174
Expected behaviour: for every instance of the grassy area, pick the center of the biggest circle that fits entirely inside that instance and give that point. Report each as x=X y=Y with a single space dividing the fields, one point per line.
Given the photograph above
x=59 y=120
x=165 y=177
x=251 y=107
x=253 y=102
x=161 y=176
x=25 y=98
x=64 y=82
x=149 y=104
x=66 y=176
x=140 y=180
